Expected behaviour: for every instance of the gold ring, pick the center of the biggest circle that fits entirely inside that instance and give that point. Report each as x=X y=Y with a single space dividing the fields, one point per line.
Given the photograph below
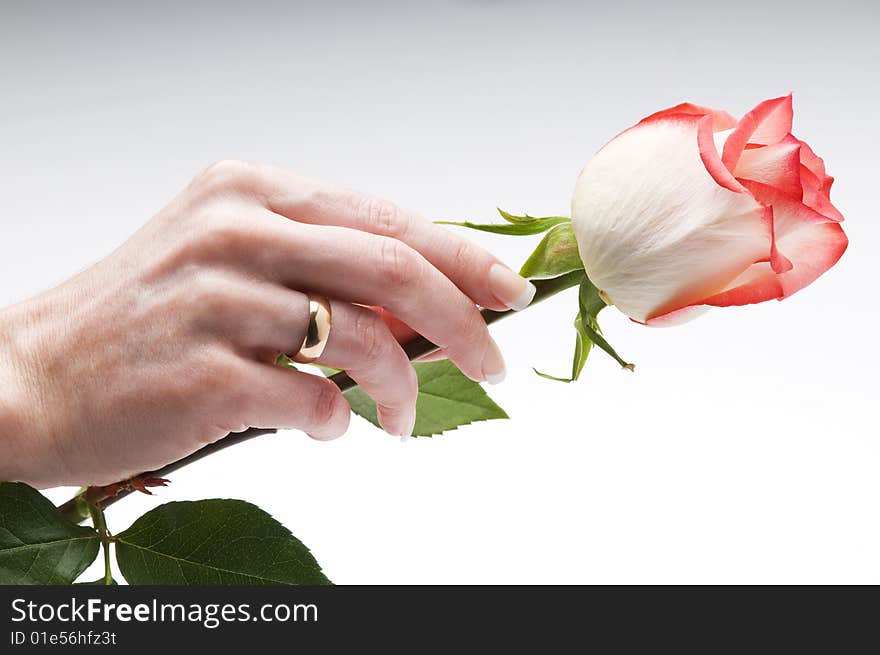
x=320 y=318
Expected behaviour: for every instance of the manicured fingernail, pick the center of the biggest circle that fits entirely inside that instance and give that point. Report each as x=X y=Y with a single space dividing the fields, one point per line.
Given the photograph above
x=514 y=291
x=400 y=425
x=493 y=363
x=410 y=426
x=497 y=378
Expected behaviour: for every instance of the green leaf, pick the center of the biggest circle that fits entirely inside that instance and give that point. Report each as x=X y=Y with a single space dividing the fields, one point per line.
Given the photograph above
x=213 y=542
x=516 y=225
x=591 y=303
x=556 y=255
x=447 y=399
x=37 y=544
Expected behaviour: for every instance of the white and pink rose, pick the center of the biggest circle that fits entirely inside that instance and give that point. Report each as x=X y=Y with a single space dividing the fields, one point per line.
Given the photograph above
x=691 y=208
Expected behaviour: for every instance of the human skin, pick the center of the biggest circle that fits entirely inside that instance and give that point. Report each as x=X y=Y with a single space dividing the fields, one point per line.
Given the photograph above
x=168 y=344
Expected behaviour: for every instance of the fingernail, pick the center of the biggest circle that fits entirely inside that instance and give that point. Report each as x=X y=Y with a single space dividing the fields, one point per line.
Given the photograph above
x=410 y=426
x=493 y=364
x=514 y=291
x=398 y=426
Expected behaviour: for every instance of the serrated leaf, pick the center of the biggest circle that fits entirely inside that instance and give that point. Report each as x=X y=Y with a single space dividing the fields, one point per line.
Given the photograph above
x=37 y=544
x=556 y=255
x=590 y=304
x=214 y=542
x=447 y=399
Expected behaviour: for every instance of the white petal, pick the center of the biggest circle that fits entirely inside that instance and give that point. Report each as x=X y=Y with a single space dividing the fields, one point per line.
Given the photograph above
x=655 y=231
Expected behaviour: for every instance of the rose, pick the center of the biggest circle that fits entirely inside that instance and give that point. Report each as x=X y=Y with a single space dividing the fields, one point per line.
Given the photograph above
x=687 y=209
x=690 y=209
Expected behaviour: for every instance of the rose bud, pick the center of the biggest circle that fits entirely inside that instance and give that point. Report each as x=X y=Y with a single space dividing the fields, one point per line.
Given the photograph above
x=691 y=208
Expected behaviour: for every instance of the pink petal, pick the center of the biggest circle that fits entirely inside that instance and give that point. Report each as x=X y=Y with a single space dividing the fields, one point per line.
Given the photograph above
x=777 y=165
x=768 y=123
x=711 y=160
x=816 y=194
x=813 y=249
x=809 y=158
x=778 y=262
x=788 y=213
x=721 y=120
x=758 y=283
x=676 y=317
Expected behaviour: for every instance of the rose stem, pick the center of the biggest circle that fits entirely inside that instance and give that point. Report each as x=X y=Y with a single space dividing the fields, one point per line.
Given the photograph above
x=104 y=496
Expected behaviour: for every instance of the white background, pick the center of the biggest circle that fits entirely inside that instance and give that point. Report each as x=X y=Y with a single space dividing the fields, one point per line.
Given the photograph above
x=745 y=447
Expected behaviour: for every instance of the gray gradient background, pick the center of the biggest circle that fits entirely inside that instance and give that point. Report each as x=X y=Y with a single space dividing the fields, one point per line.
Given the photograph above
x=744 y=449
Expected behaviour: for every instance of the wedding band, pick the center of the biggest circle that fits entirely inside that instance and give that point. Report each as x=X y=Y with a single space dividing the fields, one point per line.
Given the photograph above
x=318 y=331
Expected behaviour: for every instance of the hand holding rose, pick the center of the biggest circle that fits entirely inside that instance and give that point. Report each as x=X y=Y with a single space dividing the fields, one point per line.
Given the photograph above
x=168 y=344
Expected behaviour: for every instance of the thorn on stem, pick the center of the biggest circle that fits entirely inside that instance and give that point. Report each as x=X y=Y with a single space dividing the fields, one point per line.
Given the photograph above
x=141 y=484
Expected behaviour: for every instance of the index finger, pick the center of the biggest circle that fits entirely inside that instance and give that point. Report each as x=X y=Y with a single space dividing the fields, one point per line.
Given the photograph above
x=479 y=274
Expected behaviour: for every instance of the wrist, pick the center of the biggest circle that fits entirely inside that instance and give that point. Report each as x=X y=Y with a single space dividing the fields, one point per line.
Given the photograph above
x=20 y=430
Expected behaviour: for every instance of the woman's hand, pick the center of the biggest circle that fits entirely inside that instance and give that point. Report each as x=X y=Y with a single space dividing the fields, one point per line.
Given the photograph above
x=168 y=344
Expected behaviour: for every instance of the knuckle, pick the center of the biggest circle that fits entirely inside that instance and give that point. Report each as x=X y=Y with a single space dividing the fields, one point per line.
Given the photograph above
x=473 y=329
x=369 y=336
x=217 y=239
x=325 y=404
x=220 y=379
x=399 y=264
x=238 y=397
x=462 y=257
x=234 y=393
x=222 y=237
x=228 y=175
x=222 y=171
x=209 y=292
x=382 y=217
x=310 y=199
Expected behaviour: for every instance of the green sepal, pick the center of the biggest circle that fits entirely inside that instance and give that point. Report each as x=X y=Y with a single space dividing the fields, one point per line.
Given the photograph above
x=590 y=304
x=582 y=346
x=556 y=255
